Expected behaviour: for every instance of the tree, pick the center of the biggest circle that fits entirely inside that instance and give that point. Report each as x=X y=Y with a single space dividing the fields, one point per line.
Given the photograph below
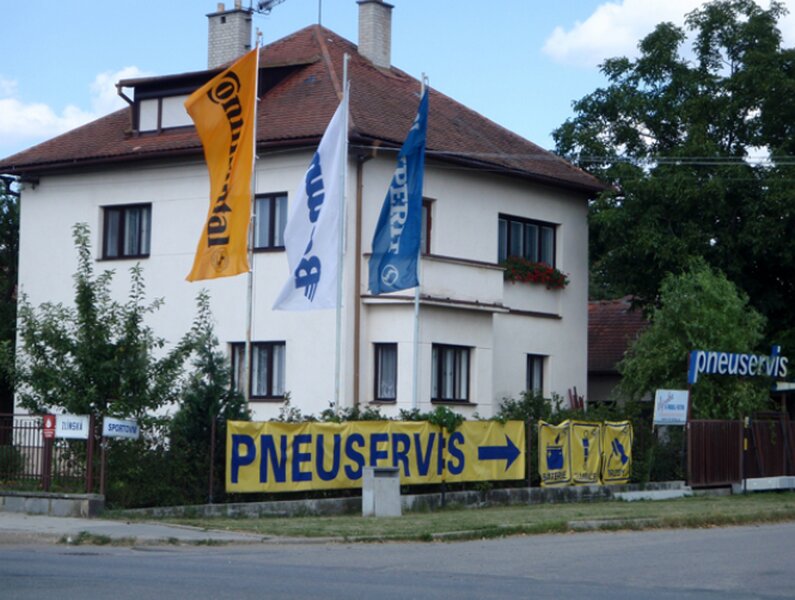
x=208 y=397
x=699 y=309
x=96 y=357
x=673 y=136
x=9 y=255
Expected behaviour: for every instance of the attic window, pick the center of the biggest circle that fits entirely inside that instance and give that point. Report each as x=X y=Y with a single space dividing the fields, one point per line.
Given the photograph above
x=155 y=114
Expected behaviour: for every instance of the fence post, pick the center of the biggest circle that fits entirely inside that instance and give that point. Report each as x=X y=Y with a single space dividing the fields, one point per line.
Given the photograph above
x=688 y=441
x=743 y=451
x=46 y=465
x=102 y=464
x=528 y=451
x=212 y=459
x=90 y=455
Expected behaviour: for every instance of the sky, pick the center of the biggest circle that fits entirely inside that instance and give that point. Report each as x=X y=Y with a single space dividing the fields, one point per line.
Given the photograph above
x=521 y=63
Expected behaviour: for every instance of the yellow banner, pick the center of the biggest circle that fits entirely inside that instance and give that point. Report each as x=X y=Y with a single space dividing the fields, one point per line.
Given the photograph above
x=586 y=452
x=617 y=452
x=224 y=111
x=286 y=457
x=554 y=457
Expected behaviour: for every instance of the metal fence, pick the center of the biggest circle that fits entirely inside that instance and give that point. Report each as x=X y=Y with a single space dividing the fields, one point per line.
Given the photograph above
x=29 y=461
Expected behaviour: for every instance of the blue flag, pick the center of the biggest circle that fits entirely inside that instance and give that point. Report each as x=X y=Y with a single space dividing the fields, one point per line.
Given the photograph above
x=396 y=242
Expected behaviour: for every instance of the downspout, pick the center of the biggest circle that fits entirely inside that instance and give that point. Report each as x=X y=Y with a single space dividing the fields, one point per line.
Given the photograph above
x=128 y=100
x=357 y=277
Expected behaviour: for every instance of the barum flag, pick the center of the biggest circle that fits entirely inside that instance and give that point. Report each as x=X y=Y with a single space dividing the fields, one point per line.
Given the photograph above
x=396 y=242
x=224 y=111
x=311 y=235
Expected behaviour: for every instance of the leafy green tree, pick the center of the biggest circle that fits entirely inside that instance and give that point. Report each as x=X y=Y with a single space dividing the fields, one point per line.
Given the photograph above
x=9 y=255
x=699 y=309
x=97 y=357
x=208 y=397
x=673 y=133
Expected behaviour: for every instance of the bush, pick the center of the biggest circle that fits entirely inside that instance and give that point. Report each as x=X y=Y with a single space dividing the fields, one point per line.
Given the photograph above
x=12 y=463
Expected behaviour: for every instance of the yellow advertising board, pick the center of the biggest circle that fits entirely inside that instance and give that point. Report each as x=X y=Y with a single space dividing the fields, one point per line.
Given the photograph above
x=617 y=452
x=287 y=457
x=554 y=457
x=586 y=452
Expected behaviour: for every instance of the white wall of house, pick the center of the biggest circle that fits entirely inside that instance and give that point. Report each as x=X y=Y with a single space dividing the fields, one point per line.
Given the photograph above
x=471 y=305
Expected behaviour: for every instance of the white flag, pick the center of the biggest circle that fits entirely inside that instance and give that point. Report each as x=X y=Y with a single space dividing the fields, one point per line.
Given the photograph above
x=312 y=231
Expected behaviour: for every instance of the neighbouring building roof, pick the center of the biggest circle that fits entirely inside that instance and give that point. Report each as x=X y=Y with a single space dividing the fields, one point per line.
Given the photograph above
x=612 y=326
x=301 y=81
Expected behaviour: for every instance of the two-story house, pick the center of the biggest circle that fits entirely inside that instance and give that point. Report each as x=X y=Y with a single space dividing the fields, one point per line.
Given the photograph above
x=138 y=178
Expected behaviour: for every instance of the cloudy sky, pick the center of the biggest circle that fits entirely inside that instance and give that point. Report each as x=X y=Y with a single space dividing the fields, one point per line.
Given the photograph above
x=520 y=63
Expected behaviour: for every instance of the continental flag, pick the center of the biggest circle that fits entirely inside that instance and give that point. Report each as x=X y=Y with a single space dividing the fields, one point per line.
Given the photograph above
x=224 y=111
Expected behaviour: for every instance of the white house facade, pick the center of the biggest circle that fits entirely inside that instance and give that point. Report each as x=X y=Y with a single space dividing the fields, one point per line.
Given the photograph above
x=470 y=339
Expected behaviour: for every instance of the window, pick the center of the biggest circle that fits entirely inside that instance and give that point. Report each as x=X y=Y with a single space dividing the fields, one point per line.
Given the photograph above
x=450 y=373
x=159 y=113
x=267 y=369
x=533 y=240
x=126 y=231
x=535 y=373
x=425 y=231
x=270 y=218
x=385 y=372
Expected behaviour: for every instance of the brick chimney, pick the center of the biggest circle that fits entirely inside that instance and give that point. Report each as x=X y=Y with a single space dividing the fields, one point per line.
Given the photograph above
x=229 y=34
x=375 y=32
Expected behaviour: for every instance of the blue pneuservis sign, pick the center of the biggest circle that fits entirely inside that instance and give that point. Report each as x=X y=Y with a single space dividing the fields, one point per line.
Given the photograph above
x=709 y=362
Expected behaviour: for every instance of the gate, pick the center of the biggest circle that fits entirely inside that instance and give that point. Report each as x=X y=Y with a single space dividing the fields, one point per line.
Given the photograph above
x=724 y=452
x=29 y=461
x=714 y=453
x=770 y=447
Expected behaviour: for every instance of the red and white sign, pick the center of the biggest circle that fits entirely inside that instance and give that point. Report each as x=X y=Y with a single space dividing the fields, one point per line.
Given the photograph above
x=48 y=427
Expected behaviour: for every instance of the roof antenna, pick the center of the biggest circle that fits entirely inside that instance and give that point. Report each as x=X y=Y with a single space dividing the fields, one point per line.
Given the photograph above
x=264 y=7
x=319 y=12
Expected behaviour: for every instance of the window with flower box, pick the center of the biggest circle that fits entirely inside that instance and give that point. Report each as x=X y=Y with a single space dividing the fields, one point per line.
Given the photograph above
x=525 y=238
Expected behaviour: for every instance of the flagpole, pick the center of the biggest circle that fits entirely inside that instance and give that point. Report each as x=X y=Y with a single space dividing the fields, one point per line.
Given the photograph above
x=340 y=234
x=416 y=367
x=251 y=225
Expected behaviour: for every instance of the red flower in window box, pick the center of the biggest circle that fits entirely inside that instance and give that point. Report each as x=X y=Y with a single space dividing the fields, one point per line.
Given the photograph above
x=525 y=271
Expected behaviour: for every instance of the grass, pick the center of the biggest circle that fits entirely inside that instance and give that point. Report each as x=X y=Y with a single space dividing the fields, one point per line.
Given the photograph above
x=456 y=524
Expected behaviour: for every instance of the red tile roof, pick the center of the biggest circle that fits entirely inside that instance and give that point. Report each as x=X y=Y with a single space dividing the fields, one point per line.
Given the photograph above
x=612 y=326
x=295 y=110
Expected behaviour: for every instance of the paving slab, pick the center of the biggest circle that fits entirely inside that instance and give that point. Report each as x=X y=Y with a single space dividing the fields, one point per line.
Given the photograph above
x=16 y=526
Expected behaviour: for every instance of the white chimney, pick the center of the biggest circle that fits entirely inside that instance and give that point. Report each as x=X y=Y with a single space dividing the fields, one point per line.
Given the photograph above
x=375 y=32
x=229 y=34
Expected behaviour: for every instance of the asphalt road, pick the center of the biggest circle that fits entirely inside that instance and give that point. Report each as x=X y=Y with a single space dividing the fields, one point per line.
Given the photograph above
x=733 y=562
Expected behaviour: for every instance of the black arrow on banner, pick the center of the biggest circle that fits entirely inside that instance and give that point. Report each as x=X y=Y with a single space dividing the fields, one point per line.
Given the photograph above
x=509 y=452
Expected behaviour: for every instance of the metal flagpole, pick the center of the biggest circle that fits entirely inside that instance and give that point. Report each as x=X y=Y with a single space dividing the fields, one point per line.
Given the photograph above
x=415 y=393
x=251 y=223
x=340 y=234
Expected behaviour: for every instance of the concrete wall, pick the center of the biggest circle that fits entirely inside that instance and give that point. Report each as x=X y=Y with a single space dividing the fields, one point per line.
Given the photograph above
x=54 y=505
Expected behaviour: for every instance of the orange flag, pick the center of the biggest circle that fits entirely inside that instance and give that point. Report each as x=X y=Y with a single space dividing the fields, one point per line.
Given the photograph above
x=224 y=110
